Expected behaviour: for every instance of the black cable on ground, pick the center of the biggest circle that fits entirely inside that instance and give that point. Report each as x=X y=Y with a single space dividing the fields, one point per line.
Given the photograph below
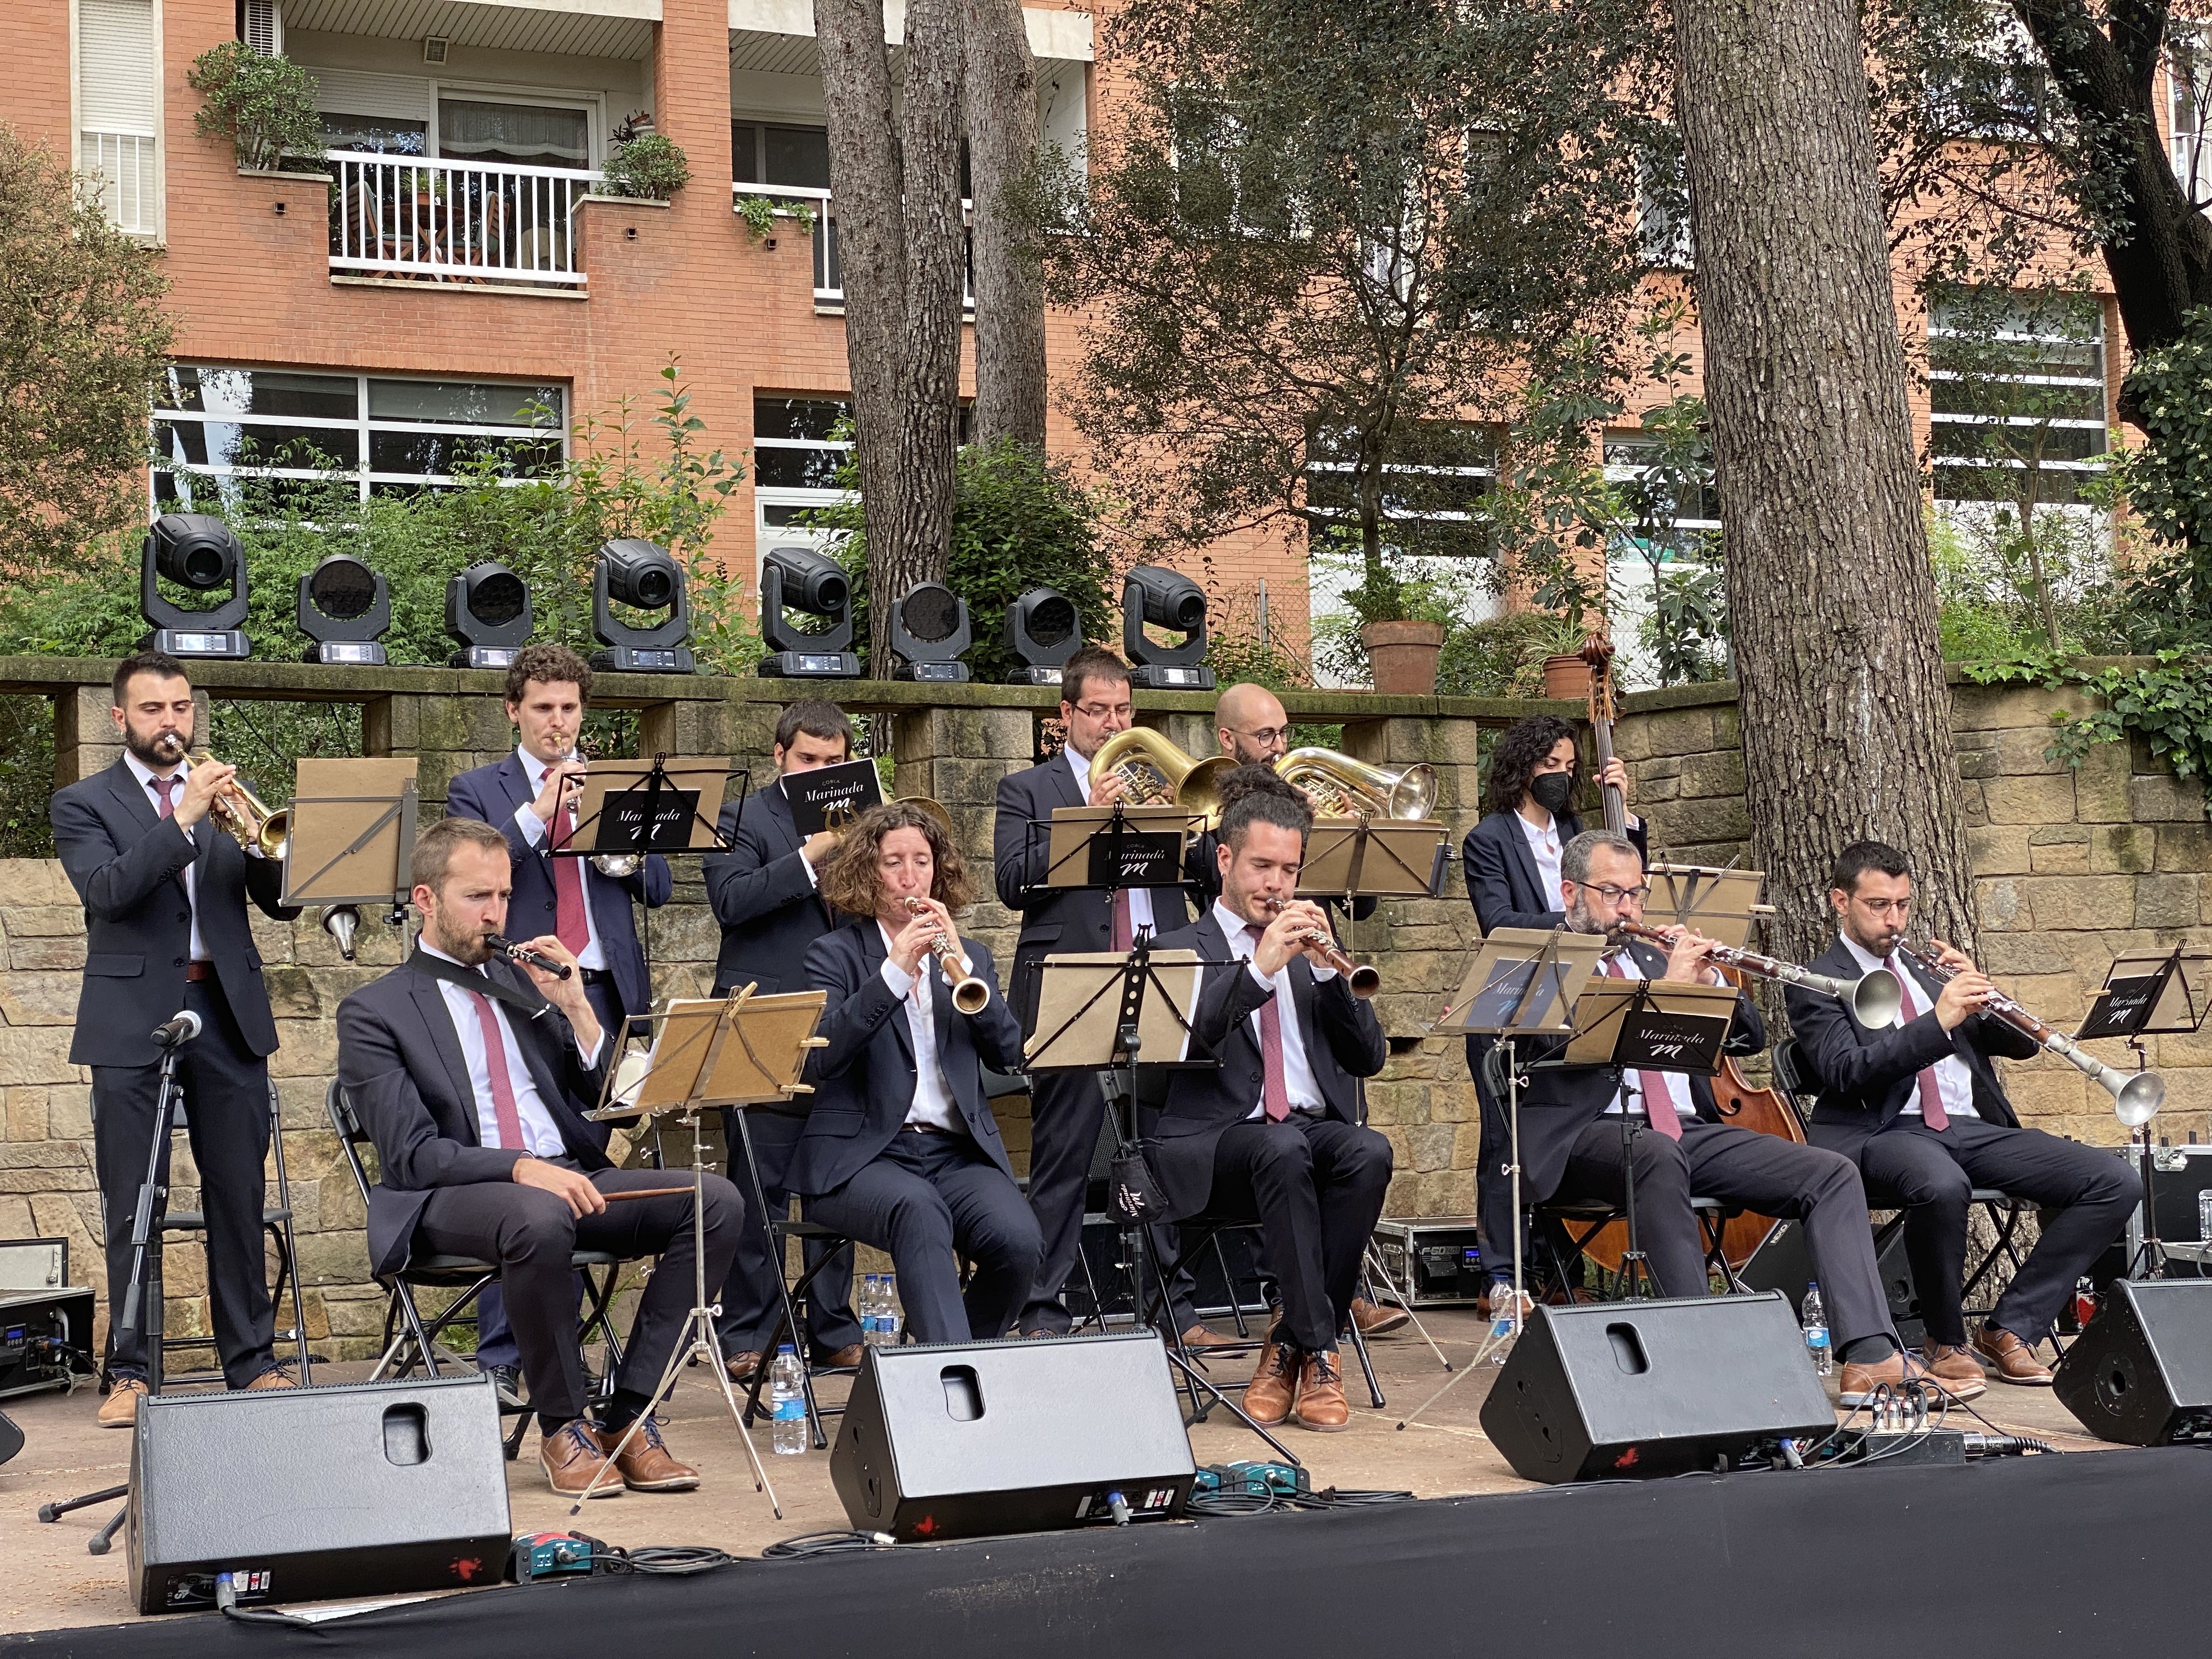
x=826 y=1543
x=1203 y=1503
x=679 y=1559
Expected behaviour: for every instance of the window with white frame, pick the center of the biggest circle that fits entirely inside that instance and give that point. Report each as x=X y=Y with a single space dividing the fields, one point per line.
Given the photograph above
x=117 y=132
x=1662 y=209
x=2189 y=93
x=1433 y=483
x=467 y=123
x=2016 y=393
x=799 y=445
x=384 y=434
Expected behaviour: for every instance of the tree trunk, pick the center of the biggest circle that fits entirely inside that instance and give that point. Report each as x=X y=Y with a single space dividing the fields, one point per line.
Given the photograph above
x=1846 y=717
x=895 y=186
x=1002 y=154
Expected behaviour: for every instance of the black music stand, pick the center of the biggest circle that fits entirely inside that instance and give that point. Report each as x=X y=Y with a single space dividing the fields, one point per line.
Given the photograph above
x=2148 y=994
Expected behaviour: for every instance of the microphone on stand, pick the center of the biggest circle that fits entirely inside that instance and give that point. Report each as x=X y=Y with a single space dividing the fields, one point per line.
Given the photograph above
x=175 y=1033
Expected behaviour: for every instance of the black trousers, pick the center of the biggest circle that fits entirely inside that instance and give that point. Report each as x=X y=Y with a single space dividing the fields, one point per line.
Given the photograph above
x=1764 y=1173
x=1067 y=1110
x=1317 y=1186
x=1929 y=1172
x=532 y=1234
x=1493 y=1185
x=225 y=1093
x=923 y=1197
x=751 y=1304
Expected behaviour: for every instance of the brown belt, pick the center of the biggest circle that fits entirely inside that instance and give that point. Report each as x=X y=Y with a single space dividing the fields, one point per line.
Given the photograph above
x=196 y=971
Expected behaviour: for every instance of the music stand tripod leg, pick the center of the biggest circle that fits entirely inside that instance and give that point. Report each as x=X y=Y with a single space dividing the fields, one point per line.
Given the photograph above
x=776 y=1249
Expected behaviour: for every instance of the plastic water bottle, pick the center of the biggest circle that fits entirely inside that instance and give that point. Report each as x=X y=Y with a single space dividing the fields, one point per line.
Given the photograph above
x=888 y=1321
x=788 y=1401
x=1505 y=1323
x=1816 y=1330
x=869 y=1301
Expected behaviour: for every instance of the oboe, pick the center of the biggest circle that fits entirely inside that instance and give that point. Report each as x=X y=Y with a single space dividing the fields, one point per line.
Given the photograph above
x=1364 y=980
x=969 y=994
x=522 y=953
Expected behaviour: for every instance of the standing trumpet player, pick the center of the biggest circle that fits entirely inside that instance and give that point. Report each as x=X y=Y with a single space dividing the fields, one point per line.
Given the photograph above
x=164 y=892
x=1919 y=1108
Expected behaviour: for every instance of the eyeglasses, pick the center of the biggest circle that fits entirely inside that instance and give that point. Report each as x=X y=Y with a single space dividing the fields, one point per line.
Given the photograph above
x=1886 y=906
x=1266 y=735
x=1101 y=711
x=1614 y=895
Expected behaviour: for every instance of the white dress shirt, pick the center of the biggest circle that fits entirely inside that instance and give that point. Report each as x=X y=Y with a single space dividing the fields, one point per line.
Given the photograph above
x=592 y=956
x=146 y=776
x=1678 y=1083
x=1298 y=1085
x=539 y=1135
x=1955 y=1083
x=933 y=1095
x=1544 y=847
x=1140 y=898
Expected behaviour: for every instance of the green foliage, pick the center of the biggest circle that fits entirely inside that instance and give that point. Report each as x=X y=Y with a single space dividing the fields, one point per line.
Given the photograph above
x=1018 y=521
x=651 y=166
x=759 y=214
x=2169 y=484
x=83 y=341
x=263 y=106
x=1501 y=657
x=27 y=777
x=2169 y=705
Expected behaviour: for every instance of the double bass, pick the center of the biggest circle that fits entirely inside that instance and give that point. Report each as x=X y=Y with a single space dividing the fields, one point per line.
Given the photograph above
x=1763 y=1110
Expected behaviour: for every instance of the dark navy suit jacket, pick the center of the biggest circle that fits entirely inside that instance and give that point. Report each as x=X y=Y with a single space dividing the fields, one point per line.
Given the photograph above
x=492 y=793
x=761 y=894
x=1502 y=879
x=864 y=1080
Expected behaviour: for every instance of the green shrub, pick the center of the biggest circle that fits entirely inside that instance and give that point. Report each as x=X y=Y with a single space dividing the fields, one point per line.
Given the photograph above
x=651 y=166
x=265 y=106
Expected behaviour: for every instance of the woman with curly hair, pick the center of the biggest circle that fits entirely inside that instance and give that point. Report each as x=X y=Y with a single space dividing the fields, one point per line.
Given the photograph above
x=901 y=1151
x=1511 y=861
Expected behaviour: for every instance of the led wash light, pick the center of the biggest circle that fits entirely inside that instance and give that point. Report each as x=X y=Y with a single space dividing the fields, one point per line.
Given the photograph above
x=344 y=608
x=929 y=631
x=488 y=612
x=1045 y=628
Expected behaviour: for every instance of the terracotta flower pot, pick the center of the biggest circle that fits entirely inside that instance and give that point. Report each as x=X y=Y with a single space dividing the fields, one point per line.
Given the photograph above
x=1566 y=677
x=1403 y=656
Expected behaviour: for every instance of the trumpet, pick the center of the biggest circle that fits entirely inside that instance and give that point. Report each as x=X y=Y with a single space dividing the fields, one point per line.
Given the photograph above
x=1875 y=998
x=1345 y=787
x=2136 y=1096
x=241 y=812
x=1158 y=774
x=1365 y=981
x=969 y=994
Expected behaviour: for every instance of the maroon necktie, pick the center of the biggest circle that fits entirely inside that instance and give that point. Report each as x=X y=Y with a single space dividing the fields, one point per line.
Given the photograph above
x=1125 y=933
x=505 y=1115
x=169 y=808
x=1658 y=1099
x=1274 y=1093
x=1931 y=1095
x=569 y=924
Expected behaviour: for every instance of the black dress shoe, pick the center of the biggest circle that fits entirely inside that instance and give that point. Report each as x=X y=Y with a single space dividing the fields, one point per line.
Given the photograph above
x=507 y=1381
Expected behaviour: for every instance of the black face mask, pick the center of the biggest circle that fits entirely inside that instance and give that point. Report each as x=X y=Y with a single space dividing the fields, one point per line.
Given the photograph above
x=1553 y=790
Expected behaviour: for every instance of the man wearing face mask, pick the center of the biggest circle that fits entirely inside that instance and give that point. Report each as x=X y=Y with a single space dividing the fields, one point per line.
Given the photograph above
x=1511 y=863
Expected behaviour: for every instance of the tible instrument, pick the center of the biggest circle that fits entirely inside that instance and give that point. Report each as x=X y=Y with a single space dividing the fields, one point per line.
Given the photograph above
x=1597 y=651
x=969 y=994
x=1158 y=774
x=1364 y=980
x=522 y=953
x=1344 y=788
x=241 y=812
x=2136 y=1096
x=1874 y=998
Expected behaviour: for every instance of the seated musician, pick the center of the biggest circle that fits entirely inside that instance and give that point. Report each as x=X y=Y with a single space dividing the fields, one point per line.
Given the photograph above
x=1274 y=1131
x=1571 y=1141
x=1919 y=1106
x=901 y=1151
x=472 y=1076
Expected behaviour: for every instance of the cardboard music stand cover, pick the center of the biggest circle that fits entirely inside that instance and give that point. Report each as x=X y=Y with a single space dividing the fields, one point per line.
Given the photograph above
x=1372 y=858
x=350 y=835
x=1496 y=985
x=1720 y=903
x=850 y=787
x=1079 y=1010
x=695 y=1061
x=1157 y=835
x=1679 y=1027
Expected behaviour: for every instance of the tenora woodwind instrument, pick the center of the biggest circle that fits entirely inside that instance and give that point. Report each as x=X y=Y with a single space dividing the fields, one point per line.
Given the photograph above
x=1874 y=998
x=969 y=994
x=516 y=952
x=1364 y=980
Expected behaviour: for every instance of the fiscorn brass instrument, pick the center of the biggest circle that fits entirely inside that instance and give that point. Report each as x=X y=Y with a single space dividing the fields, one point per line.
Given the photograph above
x=614 y=865
x=969 y=994
x=1344 y=788
x=241 y=812
x=1158 y=774
x=1363 y=980
x=2136 y=1096
x=1875 y=998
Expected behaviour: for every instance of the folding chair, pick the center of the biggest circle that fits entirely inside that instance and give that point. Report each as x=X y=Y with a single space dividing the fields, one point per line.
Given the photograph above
x=1580 y=1220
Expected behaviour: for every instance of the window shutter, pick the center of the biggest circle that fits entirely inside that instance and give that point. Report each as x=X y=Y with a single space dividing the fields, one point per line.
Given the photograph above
x=264 y=27
x=354 y=92
x=115 y=65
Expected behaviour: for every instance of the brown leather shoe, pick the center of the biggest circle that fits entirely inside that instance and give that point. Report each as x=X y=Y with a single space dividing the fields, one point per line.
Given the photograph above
x=742 y=1365
x=1322 y=1405
x=1268 y=1395
x=1199 y=1336
x=274 y=1377
x=2011 y=1360
x=1957 y=1370
x=1374 y=1319
x=120 y=1409
x=572 y=1455
x=844 y=1359
x=646 y=1464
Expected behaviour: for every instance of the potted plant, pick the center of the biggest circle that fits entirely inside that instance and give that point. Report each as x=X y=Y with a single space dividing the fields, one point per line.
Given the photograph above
x=1403 y=620
x=1555 y=646
x=646 y=165
x=264 y=106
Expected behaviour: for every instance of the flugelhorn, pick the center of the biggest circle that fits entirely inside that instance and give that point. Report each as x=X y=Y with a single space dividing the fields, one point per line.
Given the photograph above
x=241 y=812
x=1363 y=980
x=613 y=865
x=1875 y=998
x=2136 y=1096
x=1158 y=774
x=1345 y=787
x=969 y=994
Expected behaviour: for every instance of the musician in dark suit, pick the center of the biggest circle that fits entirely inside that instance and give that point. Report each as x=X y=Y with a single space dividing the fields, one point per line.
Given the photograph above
x=766 y=893
x=1274 y=1132
x=165 y=890
x=1067 y=1108
x=529 y=796
x=1572 y=1139
x=901 y=1151
x=472 y=1078
x=1920 y=1108
x=1511 y=862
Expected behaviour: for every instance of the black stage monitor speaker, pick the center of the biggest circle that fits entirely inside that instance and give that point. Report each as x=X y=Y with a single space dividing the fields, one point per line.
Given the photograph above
x=2140 y=1371
x=962 y=1440
x=1615 y=1389
x=304 y=1493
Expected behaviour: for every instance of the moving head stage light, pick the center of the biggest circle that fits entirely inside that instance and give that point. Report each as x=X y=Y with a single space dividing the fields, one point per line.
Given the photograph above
x=929 y=631
x=644 y=577
x=812 y=584
x=197 y=552
x=1166 y=598
x=488 y=610
x=1045 y=628
x=344 y=608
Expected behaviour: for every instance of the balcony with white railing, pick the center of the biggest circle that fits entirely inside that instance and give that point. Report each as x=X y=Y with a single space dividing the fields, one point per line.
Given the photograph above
x=129 y=184
x=790 y=201
x=409 y=218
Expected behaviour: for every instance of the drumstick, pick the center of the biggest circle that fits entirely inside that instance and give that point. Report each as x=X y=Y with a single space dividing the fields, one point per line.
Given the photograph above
x=646 y=1192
